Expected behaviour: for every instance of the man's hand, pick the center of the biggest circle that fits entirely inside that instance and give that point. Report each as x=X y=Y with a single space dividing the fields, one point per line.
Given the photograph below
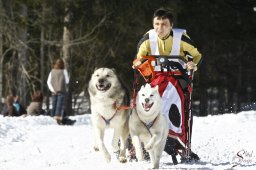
x=137 y=63
x=191 y=66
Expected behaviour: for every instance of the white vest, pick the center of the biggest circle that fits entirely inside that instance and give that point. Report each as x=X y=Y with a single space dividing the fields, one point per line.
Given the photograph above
x=177 y=33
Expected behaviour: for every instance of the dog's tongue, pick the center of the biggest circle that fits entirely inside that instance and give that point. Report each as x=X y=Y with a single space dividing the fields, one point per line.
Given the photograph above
x=101 y=86
x=147 y=106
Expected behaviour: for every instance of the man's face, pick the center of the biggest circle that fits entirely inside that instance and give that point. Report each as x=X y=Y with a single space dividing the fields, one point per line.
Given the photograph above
x=162 y=26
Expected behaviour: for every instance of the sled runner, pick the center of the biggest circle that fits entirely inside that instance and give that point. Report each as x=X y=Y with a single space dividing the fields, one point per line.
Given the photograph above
x=175 y=88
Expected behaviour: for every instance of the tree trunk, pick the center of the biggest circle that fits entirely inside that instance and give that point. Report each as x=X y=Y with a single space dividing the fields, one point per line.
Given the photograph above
x=1 y=53
x=66 y=37
x=22 y=57
x=67 y=57
x=42 y=63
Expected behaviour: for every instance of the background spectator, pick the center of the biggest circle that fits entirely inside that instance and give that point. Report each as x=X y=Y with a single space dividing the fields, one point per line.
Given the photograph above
x=57 y=81
x=35 y=107
x=18 y=106
x=9 y=109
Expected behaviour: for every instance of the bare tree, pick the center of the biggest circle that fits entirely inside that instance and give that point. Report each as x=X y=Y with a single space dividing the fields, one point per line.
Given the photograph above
x=42 y=45
x=1 y=51
x=67 y=54
x=22 y=55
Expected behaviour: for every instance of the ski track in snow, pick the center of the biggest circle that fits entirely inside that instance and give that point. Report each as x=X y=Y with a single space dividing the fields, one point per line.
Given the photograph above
x=38 y=143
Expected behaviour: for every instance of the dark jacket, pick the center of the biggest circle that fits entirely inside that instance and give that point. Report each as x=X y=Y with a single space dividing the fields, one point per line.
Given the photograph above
x=9 y=111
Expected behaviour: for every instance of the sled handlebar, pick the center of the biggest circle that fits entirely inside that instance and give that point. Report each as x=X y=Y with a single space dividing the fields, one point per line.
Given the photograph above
x=170 y=57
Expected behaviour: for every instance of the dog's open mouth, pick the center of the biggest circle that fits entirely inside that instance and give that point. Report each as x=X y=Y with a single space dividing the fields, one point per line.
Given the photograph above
x=147 y=106
x=103 y=87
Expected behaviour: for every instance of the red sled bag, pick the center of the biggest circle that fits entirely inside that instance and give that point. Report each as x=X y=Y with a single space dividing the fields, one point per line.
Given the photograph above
x=173 y=105
x=175 y=87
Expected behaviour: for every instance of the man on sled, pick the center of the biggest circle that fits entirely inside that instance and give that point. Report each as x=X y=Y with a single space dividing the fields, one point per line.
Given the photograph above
x=167 y=57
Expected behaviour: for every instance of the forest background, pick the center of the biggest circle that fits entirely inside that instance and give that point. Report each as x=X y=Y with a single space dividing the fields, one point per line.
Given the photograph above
x=96 y=33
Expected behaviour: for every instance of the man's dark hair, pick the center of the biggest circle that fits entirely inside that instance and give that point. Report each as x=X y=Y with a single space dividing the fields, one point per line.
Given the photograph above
x=162 y=13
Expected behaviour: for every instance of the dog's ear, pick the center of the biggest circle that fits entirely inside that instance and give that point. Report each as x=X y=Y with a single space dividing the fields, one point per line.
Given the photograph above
x=114 y=70
x=156 y=87
x=91 y=91
x=142 y=87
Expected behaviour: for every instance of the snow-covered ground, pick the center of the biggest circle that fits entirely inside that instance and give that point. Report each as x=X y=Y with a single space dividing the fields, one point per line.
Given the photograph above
x=38 y=143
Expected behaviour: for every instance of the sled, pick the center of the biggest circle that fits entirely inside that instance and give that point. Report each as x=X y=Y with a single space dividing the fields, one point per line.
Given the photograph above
x=175 y=88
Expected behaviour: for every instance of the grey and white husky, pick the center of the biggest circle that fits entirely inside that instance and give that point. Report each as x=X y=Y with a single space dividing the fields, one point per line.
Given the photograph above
x=148 y=125
x=106 y=96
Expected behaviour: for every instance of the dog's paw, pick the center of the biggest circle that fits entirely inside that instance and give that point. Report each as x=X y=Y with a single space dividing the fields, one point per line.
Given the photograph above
x=107 y=158
x=122 y=159
x=96 y=148
x=154 y=167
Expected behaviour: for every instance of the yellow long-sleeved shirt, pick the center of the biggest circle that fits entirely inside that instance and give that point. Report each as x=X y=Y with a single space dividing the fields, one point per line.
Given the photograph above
x=165 y=47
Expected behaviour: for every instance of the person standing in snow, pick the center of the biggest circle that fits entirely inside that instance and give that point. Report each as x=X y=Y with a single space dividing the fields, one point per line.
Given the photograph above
x=57 y=83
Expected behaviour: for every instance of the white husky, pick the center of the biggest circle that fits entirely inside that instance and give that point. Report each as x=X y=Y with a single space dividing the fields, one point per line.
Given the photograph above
x=106 y=96
x=148 y=125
